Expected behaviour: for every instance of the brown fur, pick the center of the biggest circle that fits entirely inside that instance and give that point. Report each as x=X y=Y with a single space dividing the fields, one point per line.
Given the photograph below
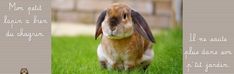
x=23 y=71
x=117 y=9
x=127 y=51
x=135 y=45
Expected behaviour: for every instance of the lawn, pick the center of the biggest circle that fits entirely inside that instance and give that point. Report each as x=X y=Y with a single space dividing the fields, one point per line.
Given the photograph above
x=77 y=55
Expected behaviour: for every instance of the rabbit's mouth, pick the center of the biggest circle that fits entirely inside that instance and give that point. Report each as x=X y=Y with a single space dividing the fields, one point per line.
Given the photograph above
x=119 y=34
x=115 y=35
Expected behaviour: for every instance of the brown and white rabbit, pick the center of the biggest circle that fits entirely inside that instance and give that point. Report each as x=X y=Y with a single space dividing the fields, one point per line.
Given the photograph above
x=126 y=38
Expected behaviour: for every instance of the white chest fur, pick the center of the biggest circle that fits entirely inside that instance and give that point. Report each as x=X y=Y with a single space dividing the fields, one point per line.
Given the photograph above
x=121 y=59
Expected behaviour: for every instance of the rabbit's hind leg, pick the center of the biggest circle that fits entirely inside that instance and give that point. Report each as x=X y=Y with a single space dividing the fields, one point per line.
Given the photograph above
x=147 y=58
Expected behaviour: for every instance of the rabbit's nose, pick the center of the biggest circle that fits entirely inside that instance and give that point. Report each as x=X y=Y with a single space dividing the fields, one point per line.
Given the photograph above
x=112 y=28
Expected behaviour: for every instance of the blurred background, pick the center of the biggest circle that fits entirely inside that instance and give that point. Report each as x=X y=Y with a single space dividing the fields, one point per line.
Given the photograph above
x=75 y=17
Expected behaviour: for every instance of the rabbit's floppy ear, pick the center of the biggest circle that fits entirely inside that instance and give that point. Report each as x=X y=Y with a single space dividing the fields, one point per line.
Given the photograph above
x=99 y=23
x=141 y=26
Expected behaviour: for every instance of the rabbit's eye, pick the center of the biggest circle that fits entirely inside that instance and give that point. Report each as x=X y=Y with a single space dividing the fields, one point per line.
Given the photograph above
x=124 y=16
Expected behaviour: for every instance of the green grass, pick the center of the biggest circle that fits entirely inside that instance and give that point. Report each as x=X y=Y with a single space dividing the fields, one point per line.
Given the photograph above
x=77 y=55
